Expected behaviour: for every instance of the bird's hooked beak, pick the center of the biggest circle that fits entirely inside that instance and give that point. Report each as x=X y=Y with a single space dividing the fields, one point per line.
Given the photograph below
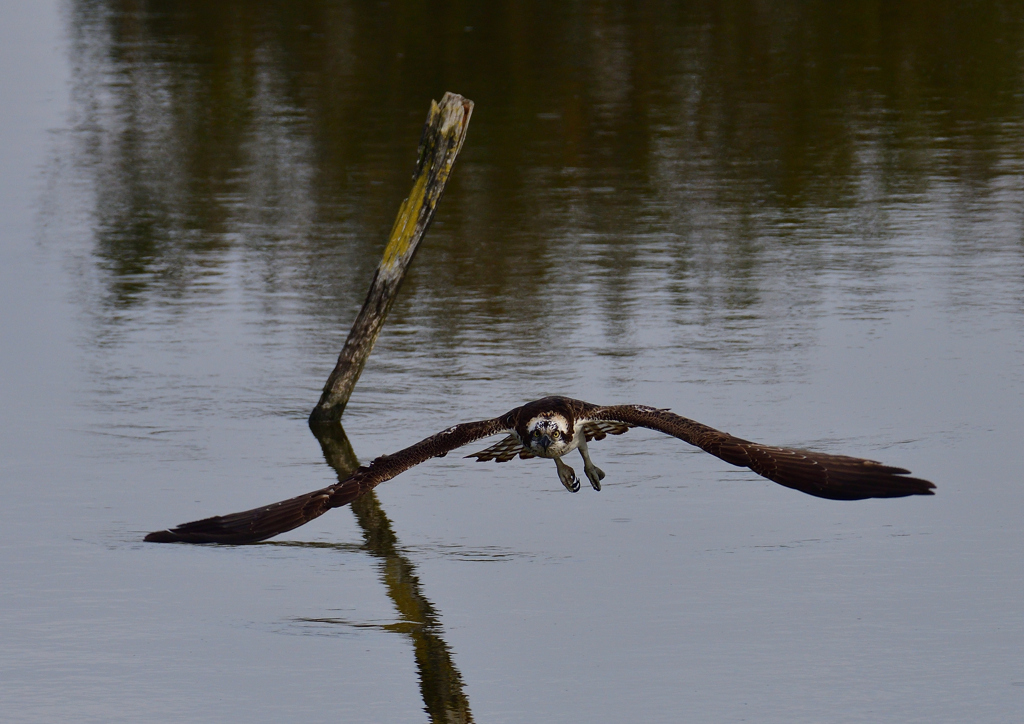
x=545 y=441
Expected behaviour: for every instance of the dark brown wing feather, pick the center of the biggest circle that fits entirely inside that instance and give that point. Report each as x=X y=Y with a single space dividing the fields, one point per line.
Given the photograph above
x=250 y=526
x=503 y=451
x=836 y=477
x=599 y=429
x=258 y=524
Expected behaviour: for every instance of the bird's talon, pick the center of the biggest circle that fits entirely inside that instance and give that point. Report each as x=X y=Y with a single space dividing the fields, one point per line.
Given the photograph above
x=595 y=475
x=568 y=477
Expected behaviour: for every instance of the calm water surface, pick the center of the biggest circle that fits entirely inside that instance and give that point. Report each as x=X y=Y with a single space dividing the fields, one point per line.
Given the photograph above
x=804 y=227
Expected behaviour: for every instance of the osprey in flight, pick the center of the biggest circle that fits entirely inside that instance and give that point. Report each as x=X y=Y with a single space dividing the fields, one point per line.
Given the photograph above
x=552 y=428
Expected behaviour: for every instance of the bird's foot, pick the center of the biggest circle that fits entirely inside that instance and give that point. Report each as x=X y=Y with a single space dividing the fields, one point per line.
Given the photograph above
x=595 y=475
x=568 y=477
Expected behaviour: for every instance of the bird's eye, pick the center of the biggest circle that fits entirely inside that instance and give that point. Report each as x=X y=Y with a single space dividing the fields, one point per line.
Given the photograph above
x=555 y=435
x=536 y=433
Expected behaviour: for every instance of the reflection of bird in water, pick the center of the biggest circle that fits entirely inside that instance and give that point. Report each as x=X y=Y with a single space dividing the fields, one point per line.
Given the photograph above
x=551 y=428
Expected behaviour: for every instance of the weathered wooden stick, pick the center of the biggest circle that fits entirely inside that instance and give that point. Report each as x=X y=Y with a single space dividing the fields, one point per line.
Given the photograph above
x=443 y=135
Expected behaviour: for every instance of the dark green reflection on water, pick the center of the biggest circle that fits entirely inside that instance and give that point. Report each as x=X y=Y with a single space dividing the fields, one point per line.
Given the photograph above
x=440 y=681
x=284 y=133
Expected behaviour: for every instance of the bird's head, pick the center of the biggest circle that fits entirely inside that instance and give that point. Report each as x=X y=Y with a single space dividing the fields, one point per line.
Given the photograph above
x=549 y=436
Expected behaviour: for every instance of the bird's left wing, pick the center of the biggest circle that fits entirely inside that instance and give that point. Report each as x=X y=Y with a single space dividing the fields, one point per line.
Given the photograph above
x=251 y=526
x=837 y=477
x=599 y=429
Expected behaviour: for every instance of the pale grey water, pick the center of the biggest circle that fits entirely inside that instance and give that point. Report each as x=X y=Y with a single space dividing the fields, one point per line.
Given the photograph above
x=650 y=211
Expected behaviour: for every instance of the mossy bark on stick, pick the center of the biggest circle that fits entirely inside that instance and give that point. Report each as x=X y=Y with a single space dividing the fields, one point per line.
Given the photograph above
x=443 y=135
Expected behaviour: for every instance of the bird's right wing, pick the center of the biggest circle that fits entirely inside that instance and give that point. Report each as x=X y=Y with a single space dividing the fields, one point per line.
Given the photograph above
x=503 y=451
x=251 y=526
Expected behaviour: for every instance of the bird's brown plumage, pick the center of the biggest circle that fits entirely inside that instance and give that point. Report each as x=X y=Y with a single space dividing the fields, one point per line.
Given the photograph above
x=836 y=477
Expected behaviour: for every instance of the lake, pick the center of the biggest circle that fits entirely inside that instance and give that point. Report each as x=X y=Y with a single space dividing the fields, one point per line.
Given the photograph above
x=803 y=225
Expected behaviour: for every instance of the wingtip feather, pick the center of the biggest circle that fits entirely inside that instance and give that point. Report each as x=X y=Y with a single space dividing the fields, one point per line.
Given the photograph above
x=162 y=536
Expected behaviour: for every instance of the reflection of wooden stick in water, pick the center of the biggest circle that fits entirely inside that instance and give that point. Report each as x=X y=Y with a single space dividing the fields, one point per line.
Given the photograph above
x=442 y=139
x=440 y=681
